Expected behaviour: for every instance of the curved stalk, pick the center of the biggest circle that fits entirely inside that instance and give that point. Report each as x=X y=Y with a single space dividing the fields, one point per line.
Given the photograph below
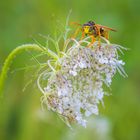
x=11 y=56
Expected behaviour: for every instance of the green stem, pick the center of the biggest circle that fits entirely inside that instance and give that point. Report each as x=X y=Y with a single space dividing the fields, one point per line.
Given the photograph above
x=9 y=59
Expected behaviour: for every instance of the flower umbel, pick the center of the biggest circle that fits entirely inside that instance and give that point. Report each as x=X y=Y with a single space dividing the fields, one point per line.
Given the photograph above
x=74 y=86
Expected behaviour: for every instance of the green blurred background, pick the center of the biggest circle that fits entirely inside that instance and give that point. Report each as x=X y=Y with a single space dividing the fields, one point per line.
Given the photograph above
x=21 y=117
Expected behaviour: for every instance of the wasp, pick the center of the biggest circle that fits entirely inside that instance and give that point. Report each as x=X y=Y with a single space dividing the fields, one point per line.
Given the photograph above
x=93 y=30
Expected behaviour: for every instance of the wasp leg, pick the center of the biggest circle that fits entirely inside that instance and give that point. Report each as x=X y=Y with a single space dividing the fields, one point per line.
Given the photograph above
x=99 y=35
x=76 y=33
x=83 y=35
x=106 y=35
x=92 y=40
x=99 y=40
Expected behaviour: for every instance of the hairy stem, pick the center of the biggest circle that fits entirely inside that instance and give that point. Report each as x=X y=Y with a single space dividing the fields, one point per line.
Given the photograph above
x=11 y=56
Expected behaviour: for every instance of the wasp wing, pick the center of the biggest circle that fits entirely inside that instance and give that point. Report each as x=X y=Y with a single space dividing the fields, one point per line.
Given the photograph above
x=105 y=27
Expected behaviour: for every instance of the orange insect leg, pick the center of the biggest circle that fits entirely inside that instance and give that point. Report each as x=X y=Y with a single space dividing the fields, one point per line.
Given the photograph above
x=99 y=35
x=83 y=35
x=99 y=40
x=76 y=33
x=107 y=35
x=92 y=40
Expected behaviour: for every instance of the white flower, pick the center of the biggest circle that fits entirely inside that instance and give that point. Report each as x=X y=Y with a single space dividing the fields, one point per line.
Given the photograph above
x=76 y=88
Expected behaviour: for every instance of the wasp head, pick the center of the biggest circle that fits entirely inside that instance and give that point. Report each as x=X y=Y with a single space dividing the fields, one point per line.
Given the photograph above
x=88 y=27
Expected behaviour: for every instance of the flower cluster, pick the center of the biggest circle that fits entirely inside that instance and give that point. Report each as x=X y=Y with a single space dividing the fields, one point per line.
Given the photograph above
x=76 y=88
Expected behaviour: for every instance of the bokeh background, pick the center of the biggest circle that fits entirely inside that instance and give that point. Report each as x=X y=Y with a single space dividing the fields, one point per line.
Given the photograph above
x=21 y=117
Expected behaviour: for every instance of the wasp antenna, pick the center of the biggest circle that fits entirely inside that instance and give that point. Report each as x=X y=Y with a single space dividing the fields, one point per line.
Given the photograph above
x=75 y=23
